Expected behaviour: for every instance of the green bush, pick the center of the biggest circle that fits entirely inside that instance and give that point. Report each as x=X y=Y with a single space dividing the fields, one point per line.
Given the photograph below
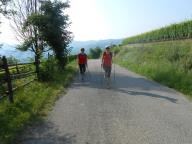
x=95 y=52
x=72 y=58
x=47 y=69
x=116 y=49
x=186 y=62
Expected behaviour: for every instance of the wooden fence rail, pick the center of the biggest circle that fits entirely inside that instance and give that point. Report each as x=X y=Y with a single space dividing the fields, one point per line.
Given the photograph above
x=10 y=73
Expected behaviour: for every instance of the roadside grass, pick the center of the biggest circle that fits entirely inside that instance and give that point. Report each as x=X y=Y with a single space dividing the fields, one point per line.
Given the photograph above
x=169 y=63
x=32 y=102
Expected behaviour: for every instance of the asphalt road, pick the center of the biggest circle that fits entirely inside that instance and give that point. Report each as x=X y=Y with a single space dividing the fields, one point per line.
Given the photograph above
x=134 y=111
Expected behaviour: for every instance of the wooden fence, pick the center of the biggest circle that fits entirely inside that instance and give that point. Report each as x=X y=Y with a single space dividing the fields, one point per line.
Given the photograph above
x=10 y=74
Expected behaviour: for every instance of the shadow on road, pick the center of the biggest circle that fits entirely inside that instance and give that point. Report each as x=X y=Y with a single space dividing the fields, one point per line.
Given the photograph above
x=136 y=93
x=46 y=133
x=132 y=86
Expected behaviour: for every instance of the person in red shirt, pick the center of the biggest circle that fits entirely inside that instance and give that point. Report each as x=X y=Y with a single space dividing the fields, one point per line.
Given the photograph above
x=82 y=61
x=107 y=62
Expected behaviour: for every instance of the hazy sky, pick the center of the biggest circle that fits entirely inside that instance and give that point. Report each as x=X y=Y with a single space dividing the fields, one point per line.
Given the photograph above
x=104 y=19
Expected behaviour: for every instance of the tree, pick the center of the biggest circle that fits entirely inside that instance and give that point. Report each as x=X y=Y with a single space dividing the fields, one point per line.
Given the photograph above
x=3 y=6
x=21 y=10
x=95 y=53
x=29 y=38
x=52 y=25
x=3 y=9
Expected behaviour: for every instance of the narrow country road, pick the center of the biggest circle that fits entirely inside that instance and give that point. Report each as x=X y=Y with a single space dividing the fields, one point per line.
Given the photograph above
x=134 y=111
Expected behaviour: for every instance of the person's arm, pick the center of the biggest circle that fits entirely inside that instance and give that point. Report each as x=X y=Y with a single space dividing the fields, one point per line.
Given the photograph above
x=112 y=55
x=77 y=59
x=86 y=59
x=102 y=60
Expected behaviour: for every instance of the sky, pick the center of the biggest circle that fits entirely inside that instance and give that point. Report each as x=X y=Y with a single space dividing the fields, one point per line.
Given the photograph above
x=114 y=19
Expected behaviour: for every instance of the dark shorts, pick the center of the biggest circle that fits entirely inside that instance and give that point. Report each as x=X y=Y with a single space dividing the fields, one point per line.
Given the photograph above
x=82 y=68
x=107 y=70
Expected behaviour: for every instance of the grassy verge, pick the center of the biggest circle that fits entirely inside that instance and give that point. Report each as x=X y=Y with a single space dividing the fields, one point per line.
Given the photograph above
x=169 y=63
x=31 y=101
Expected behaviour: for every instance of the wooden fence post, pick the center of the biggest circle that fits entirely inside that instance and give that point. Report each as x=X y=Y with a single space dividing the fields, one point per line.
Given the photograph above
x=1 y=62
x=37 y=62
x=8 y=79
x=17 y=68
x=48 y=56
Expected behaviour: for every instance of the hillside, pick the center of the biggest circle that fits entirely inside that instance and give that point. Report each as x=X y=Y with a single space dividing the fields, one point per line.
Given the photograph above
x=10 y=50
x=168 y=62
x=93 y=43
x=164 y=55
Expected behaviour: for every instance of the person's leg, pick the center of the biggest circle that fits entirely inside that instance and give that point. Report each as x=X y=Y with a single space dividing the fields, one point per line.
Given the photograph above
x=80 y=68
x=83 y=68
x=82 y=71
x=105 y=70
x=108 y=69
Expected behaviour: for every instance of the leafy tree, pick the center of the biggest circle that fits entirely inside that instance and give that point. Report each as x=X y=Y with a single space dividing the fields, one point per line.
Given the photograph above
x=3 y=6
x=3 y=9
x=29 y=38
x=95 y=53
x=52 y=25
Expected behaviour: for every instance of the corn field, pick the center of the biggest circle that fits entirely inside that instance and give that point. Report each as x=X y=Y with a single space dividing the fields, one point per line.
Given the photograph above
x=172 y=32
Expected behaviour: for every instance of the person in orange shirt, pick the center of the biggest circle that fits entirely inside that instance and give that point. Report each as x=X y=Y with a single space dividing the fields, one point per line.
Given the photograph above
x=107 y=62
x=82 y=61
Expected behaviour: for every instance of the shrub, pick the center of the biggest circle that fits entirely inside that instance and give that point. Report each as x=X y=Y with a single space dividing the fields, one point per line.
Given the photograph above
x=95 y=53
x=47 y=69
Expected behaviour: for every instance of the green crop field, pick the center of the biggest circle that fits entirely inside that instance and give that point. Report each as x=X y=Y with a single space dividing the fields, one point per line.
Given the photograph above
x=178 y=31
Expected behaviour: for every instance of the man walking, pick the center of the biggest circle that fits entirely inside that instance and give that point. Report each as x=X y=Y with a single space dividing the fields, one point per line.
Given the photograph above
x=107 y=64
x=82 y=62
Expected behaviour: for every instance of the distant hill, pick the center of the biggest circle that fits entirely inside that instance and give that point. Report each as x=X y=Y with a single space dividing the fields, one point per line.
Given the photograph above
x=93 y=43
x=10 y=50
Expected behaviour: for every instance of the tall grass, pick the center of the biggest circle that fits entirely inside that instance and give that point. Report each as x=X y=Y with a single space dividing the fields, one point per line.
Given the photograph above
x=169 y=63
x=31 y=101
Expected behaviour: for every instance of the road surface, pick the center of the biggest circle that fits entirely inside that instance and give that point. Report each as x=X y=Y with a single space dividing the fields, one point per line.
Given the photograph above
x=134 y=111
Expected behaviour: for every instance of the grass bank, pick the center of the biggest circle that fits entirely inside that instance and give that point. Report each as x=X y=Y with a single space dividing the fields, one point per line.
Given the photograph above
x=169 y=63
x=32 y=101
